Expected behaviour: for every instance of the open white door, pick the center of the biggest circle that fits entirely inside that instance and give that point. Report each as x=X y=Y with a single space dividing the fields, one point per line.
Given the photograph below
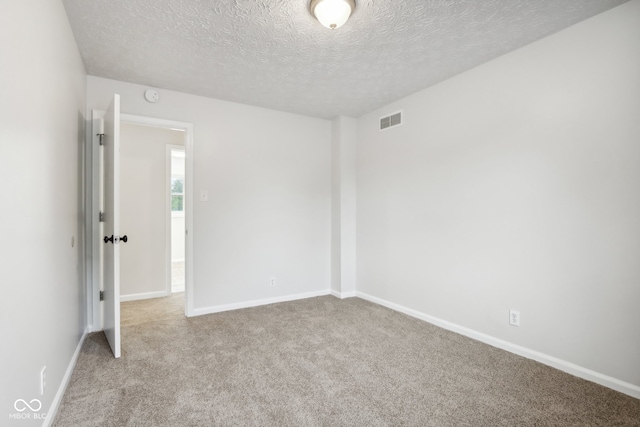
x=111 y=144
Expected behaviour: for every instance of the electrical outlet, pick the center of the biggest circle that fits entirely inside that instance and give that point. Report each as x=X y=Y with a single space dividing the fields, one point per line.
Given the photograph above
x=272 y=282
x=43 y=380
x=514 y=317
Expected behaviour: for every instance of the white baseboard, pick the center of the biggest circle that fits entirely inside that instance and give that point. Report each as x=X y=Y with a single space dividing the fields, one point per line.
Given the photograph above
x=256 y=303
x=177 y=289
x=343 y=295
x=55 y=405
x=563 y=365
x=146 y=295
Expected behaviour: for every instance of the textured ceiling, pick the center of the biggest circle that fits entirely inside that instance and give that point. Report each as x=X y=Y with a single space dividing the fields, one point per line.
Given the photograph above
x=273 y=53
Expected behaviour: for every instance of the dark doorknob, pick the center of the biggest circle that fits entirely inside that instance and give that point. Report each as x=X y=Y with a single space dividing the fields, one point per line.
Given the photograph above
x=113 y=239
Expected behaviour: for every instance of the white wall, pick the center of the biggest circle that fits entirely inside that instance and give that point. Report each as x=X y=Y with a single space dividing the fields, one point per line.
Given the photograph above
x=143 y=207
x=267 y=174
x=42 y=82
x=178 y=228
x=517 y=185
x=344 y=138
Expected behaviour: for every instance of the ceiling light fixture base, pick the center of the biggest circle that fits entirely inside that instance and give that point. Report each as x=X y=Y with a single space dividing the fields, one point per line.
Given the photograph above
x=332 y=13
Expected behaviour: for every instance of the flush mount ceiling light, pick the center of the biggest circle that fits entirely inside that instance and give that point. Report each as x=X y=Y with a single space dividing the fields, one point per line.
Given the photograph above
x=332 y=13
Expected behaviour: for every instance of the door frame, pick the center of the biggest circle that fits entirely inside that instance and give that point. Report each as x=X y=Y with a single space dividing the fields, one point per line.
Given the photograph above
x=93 y=225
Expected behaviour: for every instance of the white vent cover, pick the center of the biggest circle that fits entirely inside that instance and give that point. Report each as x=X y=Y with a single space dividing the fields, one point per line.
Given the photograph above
x=391 y=121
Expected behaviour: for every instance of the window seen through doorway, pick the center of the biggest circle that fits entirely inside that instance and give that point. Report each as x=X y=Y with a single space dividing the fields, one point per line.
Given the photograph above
x=177 y=193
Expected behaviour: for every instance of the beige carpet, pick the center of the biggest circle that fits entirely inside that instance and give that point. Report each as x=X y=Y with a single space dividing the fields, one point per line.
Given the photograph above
x=318 y=362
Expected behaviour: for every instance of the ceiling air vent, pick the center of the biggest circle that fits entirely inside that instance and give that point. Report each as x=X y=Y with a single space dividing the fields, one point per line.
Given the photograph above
x=391 y=121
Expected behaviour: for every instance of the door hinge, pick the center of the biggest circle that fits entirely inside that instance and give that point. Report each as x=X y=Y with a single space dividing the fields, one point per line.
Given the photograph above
x=101 y=295
x=101 y=216
x=100 y=138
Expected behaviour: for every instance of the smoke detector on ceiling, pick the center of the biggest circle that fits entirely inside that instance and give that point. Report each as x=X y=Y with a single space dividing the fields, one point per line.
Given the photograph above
x=152 y=95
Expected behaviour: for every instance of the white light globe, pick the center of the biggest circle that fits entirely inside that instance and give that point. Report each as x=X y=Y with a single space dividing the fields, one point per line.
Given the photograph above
x=332 y=13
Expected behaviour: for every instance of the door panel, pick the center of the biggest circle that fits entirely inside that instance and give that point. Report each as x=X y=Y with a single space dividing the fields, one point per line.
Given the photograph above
x=111 y=145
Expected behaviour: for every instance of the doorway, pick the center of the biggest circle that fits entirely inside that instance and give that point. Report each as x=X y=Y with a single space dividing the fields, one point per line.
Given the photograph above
x=155 y=231
x=176 y=228
x=95 y=246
